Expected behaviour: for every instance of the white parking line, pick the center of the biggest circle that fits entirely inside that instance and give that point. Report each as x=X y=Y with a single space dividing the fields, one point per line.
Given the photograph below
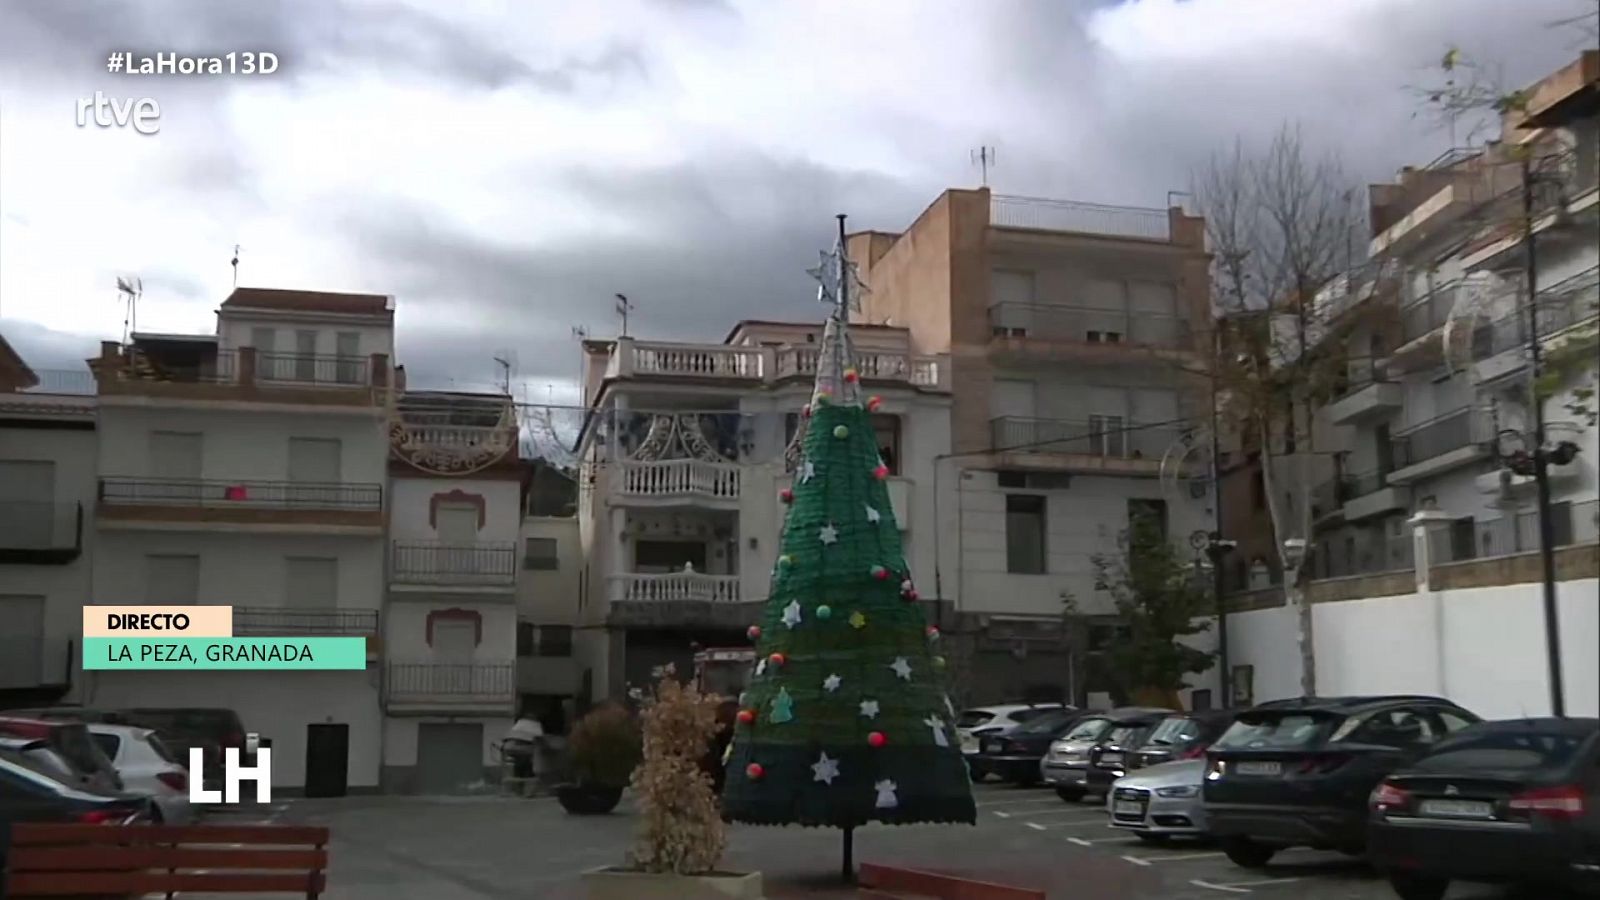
x=1036 y=826
x=1240 y=887
x=1088 y=824
x=1027 y=802
x=1151 y=860
x=1064 y=811
x=1090 y=843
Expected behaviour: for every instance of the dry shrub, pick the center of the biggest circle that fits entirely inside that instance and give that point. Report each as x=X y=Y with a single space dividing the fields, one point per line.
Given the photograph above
x=604 y=746
x=680 y=824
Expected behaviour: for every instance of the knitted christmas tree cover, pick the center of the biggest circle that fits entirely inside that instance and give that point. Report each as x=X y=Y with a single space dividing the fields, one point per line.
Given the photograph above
x=847 y=719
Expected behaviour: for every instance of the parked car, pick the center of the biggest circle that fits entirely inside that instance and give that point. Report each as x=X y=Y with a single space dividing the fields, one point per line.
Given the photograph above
x=1181 y=736
x=1506 y=802
x=1161 y=801
x=212 y=730
x=71 y=741
x=1015 y=754
x=1299 y=772
x=30 y=793
x=147 y=767
x=1108 y=758
x=978 y=721
x=1066 y=766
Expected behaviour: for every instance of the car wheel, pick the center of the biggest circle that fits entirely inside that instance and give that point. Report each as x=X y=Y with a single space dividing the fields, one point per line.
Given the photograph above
x=1152 y=838
x=1248 y=854
x=1410 y=886
x=1025 y=780
x=1070 y=794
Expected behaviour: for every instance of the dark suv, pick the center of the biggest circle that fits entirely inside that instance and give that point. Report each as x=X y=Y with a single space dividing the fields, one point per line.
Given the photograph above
x=1109 y=759
x=1299 y=772
x=1181 y=736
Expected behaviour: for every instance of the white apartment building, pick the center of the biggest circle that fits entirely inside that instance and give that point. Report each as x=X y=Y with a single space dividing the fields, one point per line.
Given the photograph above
x=683 y=455
x=47 y=492
x=248 y=468
x=1436 y=331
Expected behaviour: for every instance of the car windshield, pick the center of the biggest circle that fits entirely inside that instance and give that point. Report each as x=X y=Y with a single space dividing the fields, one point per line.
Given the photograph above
x=1087 y=730
x=972 y=718
x=1044 y=724
x=1122 y=735
x=1274 y=732
x=1516 y=751
x=108 y=743
x=1176 y=730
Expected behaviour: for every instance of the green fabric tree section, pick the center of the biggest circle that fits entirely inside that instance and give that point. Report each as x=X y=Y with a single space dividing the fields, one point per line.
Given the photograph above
x=847 y=719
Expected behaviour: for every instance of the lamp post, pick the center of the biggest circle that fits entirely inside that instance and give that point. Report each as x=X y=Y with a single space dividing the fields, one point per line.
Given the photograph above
x=1294 y=555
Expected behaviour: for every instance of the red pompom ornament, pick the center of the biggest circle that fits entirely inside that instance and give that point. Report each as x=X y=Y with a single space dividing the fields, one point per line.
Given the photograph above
x=805 y=411
x=881 y=472
x=746 y=716
x=786 y=495
x=910 y=596
x=777 y=659
x=852 y=376
x=754 y=771
x=873 y=403
x=933 y=633
x=880 y=573
x=877 y=739
x=753 y=632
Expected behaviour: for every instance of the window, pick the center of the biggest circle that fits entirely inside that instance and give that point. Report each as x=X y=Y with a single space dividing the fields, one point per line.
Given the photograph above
x=347 y=345
x=524 y=639
x=1452 y=722
x=311 y=582
x=172 y=580
x=555 y=640
x=305 y=359
x=1391 y=727
x=1108 y=435
x=109 y=744
x=1025 y=534
x=887 y=430
x=539 y=553
x=1149 y=513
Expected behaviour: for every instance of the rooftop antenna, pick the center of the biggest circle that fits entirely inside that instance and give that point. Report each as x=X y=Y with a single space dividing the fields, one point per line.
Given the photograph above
x=624 y=306
x=984 y=158
x=581 y=332
x=503 y=360
x=130 y=290
x=235 y=264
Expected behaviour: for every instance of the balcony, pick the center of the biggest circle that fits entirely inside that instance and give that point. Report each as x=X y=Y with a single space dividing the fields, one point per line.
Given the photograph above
x=922 y=371
x=1452 y=440
x=1368 y=395
x=434 y=688
x=434 y=564
x=1039 y=214
x=40 y=533
x=33 y=661
x=1102 y=444
x=667 y=481
x=195 y=369
x=1375 y=555
x=764 y=365
x=1328 y=498
x=1089 y=333
x=164 y=502
x=674 y=587
x=1370 y=494
x=288 y=621
x=1500 y=347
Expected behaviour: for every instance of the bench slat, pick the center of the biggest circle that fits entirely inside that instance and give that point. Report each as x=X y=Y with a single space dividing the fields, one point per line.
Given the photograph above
x=97 y=858
x=52 y=834
x=57 y=885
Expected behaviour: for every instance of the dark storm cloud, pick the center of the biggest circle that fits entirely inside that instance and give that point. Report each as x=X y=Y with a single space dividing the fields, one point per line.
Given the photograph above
x=51 y=39
x=716 y=242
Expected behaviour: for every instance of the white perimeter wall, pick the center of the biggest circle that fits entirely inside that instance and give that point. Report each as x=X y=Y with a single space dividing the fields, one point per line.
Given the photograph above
x=400 y=737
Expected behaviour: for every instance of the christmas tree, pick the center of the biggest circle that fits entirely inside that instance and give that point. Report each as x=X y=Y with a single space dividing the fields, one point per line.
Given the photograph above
x=846 y=720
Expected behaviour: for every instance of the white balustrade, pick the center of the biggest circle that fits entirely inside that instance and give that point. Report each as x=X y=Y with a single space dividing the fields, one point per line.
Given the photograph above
x=676 y=586
x=679 y=477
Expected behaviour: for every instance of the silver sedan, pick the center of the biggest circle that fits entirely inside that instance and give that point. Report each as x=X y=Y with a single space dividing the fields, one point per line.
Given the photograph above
x=1160 y=802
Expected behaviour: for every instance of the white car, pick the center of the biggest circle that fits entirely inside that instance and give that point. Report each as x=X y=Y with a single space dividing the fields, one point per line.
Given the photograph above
x=147 y=767
x=974 y=723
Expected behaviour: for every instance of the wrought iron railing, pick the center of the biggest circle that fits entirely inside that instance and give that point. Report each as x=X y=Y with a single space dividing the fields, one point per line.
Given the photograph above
x=118 y=491
x=450 y=684
x=1424 y=316
x=1437 y=437
x=285 y=621
x=307 y=368
x=431 y=562
x=1363 y=483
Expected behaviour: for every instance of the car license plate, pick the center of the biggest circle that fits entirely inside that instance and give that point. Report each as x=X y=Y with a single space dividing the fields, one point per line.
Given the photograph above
x=1111 y=759
x=1260 y=768
x=1457 y=809
x=1127 y=808
x=969 y=745
x=991 y=747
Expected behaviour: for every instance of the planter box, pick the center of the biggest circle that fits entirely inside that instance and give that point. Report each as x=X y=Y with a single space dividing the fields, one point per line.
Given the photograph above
x=613 y=883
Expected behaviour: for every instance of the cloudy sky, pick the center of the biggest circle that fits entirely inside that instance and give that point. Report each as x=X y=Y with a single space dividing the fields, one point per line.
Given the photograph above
x=503 y=168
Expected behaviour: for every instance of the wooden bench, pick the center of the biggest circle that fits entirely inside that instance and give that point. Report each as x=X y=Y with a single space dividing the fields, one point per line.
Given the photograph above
x=893 y=881
x=136 y=860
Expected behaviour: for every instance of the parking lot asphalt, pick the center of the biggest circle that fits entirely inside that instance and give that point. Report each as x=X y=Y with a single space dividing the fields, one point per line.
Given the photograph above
x=492 y=848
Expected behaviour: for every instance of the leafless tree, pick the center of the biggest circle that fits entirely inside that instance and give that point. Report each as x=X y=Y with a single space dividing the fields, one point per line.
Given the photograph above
x=1281 y=223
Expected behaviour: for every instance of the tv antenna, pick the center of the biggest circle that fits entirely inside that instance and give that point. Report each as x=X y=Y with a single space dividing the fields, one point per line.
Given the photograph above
x=506 y=360
x=624 y=306
x=235 y=264
x=983 y=157
x=130 y=290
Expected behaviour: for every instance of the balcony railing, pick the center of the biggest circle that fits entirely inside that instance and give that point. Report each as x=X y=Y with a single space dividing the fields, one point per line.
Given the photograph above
x=1328 y=497
x=116 y=491
x=305 y=368
x=700 y=360
x=1364 y=483
x=1083 y=218
x=1437 y=437
x=444 y=685
x=1359 y=374
x=1428 y=314
x=428 y=562
x=921 y=371
x=282 y=621
x=765 y=364
x=675 y=586
x=1376 y=554
x=79 y=382
x=1571 y=523
x=40 y=532
x=680 y=478
x=1086 y=324
x=1110 y=437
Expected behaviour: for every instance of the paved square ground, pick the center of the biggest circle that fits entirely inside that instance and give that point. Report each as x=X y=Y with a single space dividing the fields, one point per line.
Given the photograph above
x=491 y=848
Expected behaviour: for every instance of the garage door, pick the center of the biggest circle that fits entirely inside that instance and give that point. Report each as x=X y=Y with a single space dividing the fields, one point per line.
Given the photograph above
x=449 y=757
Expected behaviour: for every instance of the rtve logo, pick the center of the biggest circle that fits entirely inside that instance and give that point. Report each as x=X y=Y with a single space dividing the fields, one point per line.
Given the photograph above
x=232 y=774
